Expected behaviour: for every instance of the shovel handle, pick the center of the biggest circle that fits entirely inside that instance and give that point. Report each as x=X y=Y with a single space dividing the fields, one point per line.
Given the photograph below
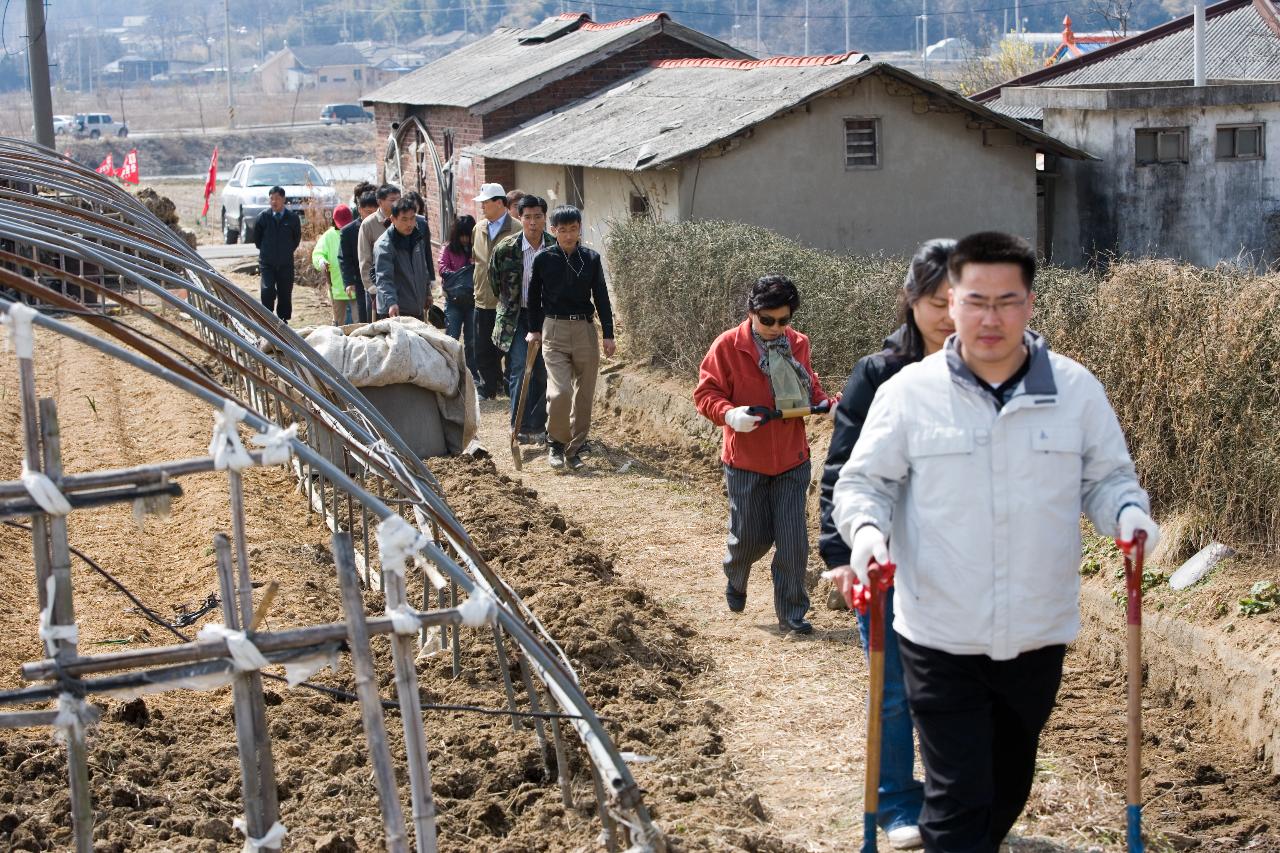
x=879 y=581
x=1134 y=556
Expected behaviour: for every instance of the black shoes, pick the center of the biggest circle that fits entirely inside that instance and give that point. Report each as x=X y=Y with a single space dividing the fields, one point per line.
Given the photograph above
x=737 y=601
x=797 y=626
x=575 y=462
x=555 y=455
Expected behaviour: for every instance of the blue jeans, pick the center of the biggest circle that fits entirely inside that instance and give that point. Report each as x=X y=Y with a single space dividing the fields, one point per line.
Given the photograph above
x=460 y=316
x=535 y=407
x=901 y=796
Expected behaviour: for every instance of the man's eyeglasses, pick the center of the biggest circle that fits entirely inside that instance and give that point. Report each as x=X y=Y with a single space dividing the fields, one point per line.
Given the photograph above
x=770 y=322
x=1001 y=307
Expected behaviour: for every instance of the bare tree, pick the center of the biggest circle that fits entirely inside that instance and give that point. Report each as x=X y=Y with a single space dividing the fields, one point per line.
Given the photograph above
x=1116 y=13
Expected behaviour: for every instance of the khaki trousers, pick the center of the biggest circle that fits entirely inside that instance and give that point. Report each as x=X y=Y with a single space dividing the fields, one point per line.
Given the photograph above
x=571 y=349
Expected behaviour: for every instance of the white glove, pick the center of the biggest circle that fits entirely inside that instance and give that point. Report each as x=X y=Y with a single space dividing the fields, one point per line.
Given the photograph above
x=1133 y=519
x=740 y=421
x=868 y=544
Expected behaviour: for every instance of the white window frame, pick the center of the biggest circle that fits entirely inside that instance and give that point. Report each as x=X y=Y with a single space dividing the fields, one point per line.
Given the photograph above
x=1261 y=127
x=876 y=146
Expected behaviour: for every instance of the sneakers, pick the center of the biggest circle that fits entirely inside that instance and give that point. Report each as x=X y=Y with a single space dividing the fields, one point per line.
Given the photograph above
x=576 y=463
x=905 y=838
x=555 y=455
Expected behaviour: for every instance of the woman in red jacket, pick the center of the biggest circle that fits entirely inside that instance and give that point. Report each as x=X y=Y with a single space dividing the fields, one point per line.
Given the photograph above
x=764 y=362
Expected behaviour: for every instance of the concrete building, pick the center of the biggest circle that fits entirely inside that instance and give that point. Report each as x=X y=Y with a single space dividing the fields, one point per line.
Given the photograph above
x=836 y=151
x=494 y=84
x=1183 y=171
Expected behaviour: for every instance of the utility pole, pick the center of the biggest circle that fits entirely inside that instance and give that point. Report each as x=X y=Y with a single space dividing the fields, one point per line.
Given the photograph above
x=846 y=27
x=924 y=32
x=806 y=27
x=759 y=40
x=38 y=73
x=1017 y=16
x=231 y=92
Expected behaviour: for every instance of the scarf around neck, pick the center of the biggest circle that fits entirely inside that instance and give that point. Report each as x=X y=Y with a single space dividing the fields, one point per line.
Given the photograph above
x=795 y=392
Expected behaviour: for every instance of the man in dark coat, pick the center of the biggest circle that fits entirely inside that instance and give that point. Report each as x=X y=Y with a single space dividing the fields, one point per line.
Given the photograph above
x=277 y=233
x=349 y=254
x=403 y=269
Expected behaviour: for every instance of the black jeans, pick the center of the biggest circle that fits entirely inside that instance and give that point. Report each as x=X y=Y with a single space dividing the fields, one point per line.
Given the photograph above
x=277 y=289
x=979 y=722
x=488 y=356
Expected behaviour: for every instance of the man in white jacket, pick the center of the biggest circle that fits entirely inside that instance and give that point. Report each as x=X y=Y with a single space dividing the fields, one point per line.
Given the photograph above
x=976 y=463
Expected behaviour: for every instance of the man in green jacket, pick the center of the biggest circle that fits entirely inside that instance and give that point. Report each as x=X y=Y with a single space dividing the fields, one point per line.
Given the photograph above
x=509 y=271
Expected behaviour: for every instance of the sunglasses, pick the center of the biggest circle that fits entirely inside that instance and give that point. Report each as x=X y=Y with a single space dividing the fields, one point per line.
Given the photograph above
x=770 y=322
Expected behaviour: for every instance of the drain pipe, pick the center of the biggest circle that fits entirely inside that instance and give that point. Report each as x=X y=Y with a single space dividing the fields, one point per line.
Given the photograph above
x=1197 y=44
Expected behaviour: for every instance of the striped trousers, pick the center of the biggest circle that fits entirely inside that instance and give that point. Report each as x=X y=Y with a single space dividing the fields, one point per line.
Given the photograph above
x=767 y=512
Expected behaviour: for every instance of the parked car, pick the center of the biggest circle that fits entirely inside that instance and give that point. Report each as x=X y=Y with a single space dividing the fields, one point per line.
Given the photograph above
x=94 y=125
x=62 y=125
x=245 y=195
x=344 y=113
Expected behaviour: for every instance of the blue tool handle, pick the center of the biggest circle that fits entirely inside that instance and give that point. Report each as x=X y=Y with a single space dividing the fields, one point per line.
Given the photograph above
x=1134 y=835
x=869 y=832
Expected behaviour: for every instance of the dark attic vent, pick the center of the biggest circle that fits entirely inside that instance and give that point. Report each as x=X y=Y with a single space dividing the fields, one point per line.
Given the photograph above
x=552 y=28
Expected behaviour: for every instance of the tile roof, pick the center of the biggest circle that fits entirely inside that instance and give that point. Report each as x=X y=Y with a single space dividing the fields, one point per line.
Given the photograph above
x=509 y=63
x=676 y=109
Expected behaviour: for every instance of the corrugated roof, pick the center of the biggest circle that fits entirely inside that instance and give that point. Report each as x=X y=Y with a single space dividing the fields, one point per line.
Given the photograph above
x=674 y=110
x=318 y=56
x=1242 y=43
x=499 y=68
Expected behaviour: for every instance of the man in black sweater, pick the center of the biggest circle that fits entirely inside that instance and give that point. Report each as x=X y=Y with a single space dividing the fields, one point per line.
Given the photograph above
x=349 y=254
x=277 y=233
x=566 y=280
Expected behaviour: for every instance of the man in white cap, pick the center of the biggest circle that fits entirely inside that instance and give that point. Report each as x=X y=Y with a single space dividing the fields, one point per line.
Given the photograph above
x=493 y=225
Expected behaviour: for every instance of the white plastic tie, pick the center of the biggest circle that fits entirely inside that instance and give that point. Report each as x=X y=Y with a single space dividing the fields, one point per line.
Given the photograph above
x=18 y=320
x=301 y=669
x=50 y=632
x=271 y=841
x=244 y=654
x=275 y=443
x=226 y=448
x=478 y=610
x=398 y=541
x=73 y=715
x=404 y=619
x=43 y=491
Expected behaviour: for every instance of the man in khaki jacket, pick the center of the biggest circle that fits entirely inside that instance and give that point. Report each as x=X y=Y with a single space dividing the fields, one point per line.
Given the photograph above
x=371 y=228
x=490 y=230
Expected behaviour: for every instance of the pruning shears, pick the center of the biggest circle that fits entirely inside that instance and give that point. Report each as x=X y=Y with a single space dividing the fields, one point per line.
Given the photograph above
x=766 y=414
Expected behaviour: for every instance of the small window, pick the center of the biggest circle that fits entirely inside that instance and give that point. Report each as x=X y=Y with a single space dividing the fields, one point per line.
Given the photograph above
x=639 y=206
x=1160 y=145
x=1240 y=142
x=355 y=74
x=573 y=188
x=862 y=143
x=324 y=78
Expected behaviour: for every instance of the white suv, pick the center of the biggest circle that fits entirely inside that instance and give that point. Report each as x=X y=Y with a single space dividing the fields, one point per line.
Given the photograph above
x=94 y=125
x=245 y=195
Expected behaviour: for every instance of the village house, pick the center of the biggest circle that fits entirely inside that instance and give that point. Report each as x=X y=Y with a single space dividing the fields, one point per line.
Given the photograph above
x=838 y=152
x=1183 y=170
x=494 y=84
x=339 y=69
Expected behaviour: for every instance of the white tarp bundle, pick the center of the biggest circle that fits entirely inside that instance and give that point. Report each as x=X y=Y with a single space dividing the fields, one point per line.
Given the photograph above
x=405 y=350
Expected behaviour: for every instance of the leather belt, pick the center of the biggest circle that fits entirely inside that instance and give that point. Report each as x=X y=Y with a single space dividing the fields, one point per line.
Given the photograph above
x=569 y=316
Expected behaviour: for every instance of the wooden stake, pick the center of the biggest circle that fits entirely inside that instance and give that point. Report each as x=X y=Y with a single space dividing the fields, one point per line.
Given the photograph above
x=534 y=706
x=370 y=702
x=64 y=614
x=246 y=742
x=415 y=738
x=504 y=667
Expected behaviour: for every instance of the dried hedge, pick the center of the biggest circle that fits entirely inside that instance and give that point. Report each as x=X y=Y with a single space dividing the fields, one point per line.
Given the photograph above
x=1190 y=357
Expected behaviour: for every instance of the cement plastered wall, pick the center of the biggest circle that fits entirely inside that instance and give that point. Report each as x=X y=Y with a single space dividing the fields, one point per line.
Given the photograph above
x=606 y=195
x=936 y=177
x=1204 y=211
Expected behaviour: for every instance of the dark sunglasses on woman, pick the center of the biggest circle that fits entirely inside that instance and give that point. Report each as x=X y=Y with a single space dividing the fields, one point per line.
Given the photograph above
x=770 y=322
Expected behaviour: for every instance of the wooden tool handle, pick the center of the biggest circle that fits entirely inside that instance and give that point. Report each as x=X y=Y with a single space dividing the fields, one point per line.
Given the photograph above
x=260 y=612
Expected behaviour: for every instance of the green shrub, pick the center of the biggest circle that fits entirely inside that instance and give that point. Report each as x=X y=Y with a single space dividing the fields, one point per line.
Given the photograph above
x=1189 y=356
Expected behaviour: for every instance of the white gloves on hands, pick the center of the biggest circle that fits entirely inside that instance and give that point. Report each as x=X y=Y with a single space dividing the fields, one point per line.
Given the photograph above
x=1133 y=519
x=868 y=544
x=739 y=421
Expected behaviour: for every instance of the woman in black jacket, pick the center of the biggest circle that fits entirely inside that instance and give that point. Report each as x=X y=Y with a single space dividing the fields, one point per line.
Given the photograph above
x=926 y=324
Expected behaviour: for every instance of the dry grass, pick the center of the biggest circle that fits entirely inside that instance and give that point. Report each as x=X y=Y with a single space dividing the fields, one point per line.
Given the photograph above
x=1188 y=355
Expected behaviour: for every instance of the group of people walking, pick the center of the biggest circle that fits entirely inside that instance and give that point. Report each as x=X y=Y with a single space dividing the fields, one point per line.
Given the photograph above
x=516 y=282
x=964 y=451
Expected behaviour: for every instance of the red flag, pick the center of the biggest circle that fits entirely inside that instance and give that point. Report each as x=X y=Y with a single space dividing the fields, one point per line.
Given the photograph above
x=129 y=171
x=108 y=166
x=211 y=183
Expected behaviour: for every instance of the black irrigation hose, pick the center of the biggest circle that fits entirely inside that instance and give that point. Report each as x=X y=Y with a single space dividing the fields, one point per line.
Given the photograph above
x=319 y=688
